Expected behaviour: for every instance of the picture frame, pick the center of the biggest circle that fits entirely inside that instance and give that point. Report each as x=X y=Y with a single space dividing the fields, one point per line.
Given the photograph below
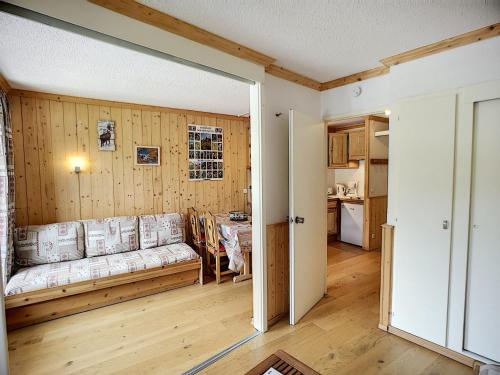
x=147 y=155
x=106 y=135
x=205 y=147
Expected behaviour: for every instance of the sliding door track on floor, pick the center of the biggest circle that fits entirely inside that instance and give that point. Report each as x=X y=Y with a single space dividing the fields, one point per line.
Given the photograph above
x=196 y=369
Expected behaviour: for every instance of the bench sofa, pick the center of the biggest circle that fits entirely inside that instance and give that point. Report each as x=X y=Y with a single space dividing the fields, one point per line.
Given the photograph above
x=66 y=268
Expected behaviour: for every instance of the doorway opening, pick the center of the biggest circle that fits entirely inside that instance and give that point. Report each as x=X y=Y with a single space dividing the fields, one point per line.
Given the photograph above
x=174 y=146
x=357 y=175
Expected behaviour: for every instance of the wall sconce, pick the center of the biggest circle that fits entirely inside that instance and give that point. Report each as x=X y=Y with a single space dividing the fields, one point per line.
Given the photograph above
x=77 y=164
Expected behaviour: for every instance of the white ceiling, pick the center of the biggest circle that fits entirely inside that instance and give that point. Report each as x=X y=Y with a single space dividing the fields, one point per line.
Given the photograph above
x=327 y=39
x=37 y=57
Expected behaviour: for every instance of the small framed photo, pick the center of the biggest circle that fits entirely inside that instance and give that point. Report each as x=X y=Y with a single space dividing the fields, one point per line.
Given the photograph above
x=147 y=155
x=106 y=135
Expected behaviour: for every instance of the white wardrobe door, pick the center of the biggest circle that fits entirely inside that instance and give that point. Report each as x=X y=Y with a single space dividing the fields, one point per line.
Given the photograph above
x=422 y=144
x=482 y=322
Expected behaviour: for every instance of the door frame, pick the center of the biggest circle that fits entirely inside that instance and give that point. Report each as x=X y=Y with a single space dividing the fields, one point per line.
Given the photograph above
x=387 y=230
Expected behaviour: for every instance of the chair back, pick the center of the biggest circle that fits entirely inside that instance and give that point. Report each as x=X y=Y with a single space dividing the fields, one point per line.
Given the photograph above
x=194 y=222
x=211 y=232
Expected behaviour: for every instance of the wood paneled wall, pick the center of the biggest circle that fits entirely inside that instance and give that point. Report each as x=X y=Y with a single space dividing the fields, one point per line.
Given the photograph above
x=49 y=130
x=278 y=272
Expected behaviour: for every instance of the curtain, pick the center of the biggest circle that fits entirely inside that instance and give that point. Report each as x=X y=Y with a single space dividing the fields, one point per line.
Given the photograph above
x=7 y=190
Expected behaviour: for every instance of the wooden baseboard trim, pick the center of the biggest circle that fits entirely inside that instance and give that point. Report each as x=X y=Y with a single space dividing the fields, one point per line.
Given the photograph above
x=383 y=327
x=463 y=359
x=276 y=319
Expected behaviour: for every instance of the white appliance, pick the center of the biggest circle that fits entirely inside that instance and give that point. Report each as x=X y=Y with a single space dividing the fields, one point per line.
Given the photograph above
x=351 y=223
x=340 y=190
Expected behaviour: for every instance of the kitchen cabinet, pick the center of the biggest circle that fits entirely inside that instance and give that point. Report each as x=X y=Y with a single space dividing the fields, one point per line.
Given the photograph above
x=357 y=145
x=338 y=154
x=332 y=218
x=337 y=149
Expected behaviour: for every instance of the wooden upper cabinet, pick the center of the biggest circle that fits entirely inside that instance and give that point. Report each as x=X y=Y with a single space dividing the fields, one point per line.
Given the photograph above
x=357 y=145
x=337 y=149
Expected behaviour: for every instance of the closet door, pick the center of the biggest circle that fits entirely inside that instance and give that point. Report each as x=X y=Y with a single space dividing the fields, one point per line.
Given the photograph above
x=422 y=160
x=482 y=322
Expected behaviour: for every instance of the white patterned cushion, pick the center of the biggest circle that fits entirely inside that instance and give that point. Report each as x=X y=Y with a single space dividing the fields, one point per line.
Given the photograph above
x=42 y=244
x=110 y=236
x=161 y=229
x=64 y=273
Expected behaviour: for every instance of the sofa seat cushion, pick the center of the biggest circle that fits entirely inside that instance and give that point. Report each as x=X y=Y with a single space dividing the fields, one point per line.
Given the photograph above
x=111 y=235
x=161 y=229
x=42 y=244
x=64 y=273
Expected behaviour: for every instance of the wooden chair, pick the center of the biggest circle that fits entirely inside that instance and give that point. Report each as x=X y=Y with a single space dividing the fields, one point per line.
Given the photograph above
x=214 y=247
x=197 y=237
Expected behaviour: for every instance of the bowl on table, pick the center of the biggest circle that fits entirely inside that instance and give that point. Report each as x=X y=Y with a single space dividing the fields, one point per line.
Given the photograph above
x=238 y=216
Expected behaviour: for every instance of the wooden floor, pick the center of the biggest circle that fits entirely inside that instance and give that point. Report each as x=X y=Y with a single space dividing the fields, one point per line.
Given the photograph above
x=165 y=333
x=340 y=335
x=170 y=332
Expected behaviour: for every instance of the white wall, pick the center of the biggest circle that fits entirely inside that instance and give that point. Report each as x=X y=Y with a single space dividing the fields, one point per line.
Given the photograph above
x=279 y=96
x=330 y=178
x=339 y=102
x=474 y=63
x=467 y=65
x=344 y=176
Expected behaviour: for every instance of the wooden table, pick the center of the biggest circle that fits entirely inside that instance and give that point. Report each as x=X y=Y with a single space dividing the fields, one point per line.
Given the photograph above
x=284 y=363
x=236 y=236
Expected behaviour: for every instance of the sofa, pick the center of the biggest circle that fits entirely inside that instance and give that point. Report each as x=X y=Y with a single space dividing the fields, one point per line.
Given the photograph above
x=65 y=268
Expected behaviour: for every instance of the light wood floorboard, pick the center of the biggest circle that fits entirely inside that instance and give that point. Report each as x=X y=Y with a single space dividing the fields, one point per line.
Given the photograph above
x=166 y=333
x=170 y=332
x=340 y=335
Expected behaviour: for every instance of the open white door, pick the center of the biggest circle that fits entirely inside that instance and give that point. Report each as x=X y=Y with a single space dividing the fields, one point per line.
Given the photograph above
x=307 y=189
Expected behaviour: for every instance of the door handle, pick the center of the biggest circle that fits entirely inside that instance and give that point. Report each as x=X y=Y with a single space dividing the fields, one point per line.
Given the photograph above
x=299 y=220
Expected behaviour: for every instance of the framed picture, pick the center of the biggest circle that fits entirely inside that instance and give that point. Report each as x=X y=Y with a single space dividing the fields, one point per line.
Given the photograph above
x=147 y=155
x=106 y=135
x=205 y=152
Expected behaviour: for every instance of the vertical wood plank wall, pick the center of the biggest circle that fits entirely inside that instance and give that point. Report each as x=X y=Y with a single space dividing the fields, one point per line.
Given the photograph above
x=49 y=130
x=277 y=272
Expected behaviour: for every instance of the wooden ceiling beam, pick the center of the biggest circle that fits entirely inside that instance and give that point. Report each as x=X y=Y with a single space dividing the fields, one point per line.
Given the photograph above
x=444 y=45
x=280 y=72
x=4 y=85
x=357 y=77
x=153 y=17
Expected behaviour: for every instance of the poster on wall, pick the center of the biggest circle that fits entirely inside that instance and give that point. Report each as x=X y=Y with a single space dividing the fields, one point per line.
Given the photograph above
x=205 y=152
x=106 y=133
x=147 y=155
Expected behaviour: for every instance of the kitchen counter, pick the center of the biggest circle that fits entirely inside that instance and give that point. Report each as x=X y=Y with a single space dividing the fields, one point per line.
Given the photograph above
x=358 y=200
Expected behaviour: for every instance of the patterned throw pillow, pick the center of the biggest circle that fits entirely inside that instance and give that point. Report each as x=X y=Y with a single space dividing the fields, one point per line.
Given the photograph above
x=42 y=244
x=161 y=229
x=110 y=236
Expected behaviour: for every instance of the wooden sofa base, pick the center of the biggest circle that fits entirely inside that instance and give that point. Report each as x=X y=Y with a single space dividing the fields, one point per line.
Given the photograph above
x=48 y=304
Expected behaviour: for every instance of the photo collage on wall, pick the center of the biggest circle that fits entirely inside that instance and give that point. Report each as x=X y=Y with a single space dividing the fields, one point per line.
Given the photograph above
x=205 y=152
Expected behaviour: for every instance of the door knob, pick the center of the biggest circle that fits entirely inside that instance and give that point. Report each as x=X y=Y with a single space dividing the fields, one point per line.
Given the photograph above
x=299 y=220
